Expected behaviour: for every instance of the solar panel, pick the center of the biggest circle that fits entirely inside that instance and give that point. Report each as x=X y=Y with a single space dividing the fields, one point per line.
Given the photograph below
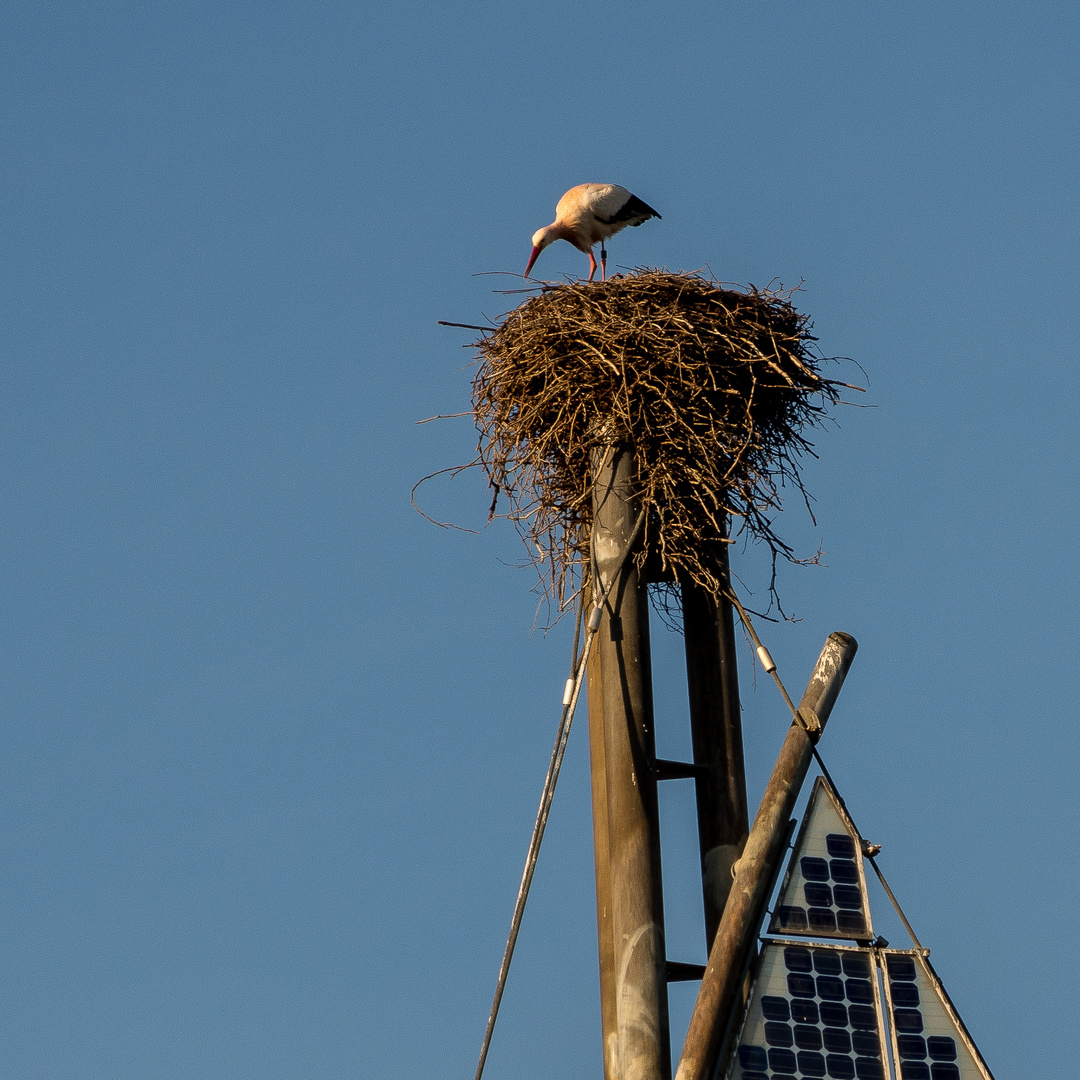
x=929 y=1040
x=814 y=1012
x=818 y=1009
x=824 y=889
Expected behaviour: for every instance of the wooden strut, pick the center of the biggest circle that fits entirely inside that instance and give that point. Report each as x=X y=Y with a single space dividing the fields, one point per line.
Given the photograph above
x=630 y=912
x=756 y=869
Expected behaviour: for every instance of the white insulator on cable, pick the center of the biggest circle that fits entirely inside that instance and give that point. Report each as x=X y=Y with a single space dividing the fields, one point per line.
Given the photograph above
x=568 y=692
x=595 y=616
x=766 y=660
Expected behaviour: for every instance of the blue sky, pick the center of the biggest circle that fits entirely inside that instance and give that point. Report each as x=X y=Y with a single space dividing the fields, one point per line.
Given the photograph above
x=271 y=743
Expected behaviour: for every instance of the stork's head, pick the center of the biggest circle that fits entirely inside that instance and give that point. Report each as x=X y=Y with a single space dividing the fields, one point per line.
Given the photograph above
x=541 y=239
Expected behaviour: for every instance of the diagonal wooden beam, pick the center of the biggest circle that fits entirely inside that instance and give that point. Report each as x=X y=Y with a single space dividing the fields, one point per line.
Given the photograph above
x=756 y=869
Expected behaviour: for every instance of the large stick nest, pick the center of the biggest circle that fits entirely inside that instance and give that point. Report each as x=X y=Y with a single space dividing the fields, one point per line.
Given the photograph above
x=714 y=389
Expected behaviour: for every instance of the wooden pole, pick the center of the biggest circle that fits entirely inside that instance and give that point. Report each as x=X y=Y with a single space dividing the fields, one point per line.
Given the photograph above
x=637 y=907
x=757 y=867
x=716 y=730
x=605 y=940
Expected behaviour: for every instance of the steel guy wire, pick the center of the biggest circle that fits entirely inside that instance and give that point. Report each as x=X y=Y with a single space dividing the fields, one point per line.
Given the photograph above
x=770 y=666
x=561 y=737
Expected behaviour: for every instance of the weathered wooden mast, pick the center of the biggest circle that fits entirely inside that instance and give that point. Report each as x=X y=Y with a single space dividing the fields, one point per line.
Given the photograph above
x=630 y=902
x=716 y=729
x=634 y=970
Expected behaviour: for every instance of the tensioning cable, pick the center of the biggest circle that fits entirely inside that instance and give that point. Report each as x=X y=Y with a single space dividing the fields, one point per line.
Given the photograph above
x=869 y=850
x=570 y=700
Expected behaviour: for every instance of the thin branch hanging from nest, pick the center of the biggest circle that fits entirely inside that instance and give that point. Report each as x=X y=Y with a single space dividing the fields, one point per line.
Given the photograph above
x=713 y=388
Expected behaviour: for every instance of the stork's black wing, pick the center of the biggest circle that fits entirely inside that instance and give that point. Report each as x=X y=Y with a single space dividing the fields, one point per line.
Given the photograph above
x=632 y=212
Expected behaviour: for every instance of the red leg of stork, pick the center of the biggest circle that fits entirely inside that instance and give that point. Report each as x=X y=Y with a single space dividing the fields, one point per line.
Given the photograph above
x=592 y=264
x=603 y=262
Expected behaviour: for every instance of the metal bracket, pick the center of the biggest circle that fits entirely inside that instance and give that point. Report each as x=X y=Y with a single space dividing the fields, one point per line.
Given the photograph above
x=679 y=770
x=810 y=722
x=679 y=972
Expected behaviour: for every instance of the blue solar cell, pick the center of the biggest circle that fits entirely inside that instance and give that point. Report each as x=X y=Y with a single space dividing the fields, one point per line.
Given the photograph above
x=939 y=1070
x=826 y=962
x=811 y=1063
x=908 y=1020
x=840 y=1066
x=800 y=985
x=817 y=895
x=866 y=1043
x=775 y=1008
x=822 y=920
x=797 y=958
x=834 y=1014
x=777 y=1034
x=830 y=988
x=941 y=1048
x=753 y=1057
x=857 y=964
x=840 y=845
x=837 y=1040
x=754 y=1075
x=781 y=1060
x=851 y=923
x=792 y=918
x=864 y=1018
x=901 y=968
x=914 y=1070
x=861 y=990
x=845 y=870
x=869 y=1068
x=911 y=1046
x=807 y=1037
x=848 y=896
x=905 y=995
x=783 y=1076
x=814 y=869
x=803 y=1011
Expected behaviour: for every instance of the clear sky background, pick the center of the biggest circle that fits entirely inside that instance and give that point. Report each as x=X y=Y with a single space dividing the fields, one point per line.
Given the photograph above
x=271 y=743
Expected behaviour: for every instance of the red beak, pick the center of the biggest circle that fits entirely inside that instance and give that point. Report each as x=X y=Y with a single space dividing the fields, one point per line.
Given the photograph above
x=532 y=259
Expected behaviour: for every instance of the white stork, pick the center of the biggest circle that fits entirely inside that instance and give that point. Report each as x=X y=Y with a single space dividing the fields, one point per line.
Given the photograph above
x=589 y=214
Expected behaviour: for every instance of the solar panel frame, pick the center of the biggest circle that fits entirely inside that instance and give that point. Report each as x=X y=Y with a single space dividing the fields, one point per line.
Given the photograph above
x=821 y=922
x=770 y=964
x=929 y=980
